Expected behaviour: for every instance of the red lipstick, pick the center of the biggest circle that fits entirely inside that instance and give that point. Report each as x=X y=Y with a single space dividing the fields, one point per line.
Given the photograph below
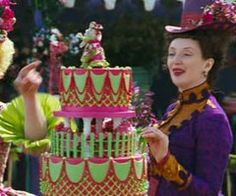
x=178 y=71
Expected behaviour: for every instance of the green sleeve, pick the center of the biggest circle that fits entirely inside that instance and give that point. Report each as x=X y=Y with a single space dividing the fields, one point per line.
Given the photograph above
x=12 y=121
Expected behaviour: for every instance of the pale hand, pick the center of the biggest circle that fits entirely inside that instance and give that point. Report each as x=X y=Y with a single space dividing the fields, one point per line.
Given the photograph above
x=158 y=142
x=28 y=80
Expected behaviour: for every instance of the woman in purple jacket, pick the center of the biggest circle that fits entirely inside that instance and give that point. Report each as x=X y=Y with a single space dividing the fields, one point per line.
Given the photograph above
x=189 y=148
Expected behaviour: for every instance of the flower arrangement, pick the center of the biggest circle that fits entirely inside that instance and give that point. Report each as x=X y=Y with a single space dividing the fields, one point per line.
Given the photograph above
x=7 y=19
x=70 y=58
x=41 y=43
x=219 y=11
x=73 y=42
x=45 y=42
x=143 y=108
x=43 y=38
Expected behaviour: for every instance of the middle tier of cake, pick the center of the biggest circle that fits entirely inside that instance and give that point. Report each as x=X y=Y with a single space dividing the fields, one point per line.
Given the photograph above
x=66 y=143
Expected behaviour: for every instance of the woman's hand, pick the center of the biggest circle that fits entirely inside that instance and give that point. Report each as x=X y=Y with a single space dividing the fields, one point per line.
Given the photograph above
x=28 y=80
x=27 y=83
x=158 y=142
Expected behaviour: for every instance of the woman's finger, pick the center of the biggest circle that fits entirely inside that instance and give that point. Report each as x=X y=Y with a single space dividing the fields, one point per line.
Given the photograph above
x=151 y=130
x=32 y=77
x=25 y=70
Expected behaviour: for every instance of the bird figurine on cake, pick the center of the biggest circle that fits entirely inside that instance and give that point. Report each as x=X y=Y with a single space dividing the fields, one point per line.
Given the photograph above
x=93 y=54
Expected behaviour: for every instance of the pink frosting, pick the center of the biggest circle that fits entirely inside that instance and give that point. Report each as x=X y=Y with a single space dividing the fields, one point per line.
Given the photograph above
x=95 y=114
x=57 y=159
x=94 y=109
x=125 y=127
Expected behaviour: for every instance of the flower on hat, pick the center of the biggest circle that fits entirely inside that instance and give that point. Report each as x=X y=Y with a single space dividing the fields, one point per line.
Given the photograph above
x=5 y=2
x=218 y=15
x=7 y=18
x=219 y=11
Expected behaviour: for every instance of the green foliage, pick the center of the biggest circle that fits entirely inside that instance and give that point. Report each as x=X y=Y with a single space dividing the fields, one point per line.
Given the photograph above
x=232 y=163
x=134 y=42
x=50 y=10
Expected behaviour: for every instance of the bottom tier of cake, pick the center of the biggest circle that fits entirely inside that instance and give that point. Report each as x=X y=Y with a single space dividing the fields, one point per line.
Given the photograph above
x=93 y=176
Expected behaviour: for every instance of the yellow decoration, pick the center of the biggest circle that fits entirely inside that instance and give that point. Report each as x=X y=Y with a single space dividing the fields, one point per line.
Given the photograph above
x=183 y=111
x=6 y=55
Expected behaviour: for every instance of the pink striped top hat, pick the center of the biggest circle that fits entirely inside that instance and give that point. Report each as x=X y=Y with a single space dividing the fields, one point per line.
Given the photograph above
x=206 y=14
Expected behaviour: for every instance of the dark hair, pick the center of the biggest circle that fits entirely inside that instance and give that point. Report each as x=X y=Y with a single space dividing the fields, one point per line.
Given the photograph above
x=213 y=44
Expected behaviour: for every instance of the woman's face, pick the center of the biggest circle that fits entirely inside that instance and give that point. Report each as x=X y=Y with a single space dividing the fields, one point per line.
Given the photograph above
x=186 y=64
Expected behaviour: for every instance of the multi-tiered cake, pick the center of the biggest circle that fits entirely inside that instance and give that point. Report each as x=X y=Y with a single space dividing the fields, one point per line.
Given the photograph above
x=96 y=150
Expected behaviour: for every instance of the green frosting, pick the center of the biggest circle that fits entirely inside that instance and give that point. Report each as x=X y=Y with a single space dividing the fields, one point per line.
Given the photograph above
x=133 y=143
x=115 y=97
x=124 y=137
x=117 y=144
x=98 y=97
x=75 y=142
x=75 y=172
x=55 y=170
x=62 y=144
x=81 y=96
x=44 y=168
x=68 y=145
x=100 y=153
x=122 y=170
x=66 y=80
x=80 y=81
x=45 y=187
x=98 y=171
x=98 y=81
x=127 y=80
x=115 y=81
x=109 y=144
x=92 y=139
x=83 y=146
x=139 y=168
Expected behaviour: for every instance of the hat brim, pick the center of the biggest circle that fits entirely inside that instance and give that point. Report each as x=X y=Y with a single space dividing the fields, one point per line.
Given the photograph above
x=231 y=27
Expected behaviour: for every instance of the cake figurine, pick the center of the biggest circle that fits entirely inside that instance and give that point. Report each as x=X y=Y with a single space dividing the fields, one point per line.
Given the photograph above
x=96 y=150
x=93 y=54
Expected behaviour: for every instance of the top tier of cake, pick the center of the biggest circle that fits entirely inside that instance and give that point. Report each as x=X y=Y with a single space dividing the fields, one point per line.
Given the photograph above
x=96 y=89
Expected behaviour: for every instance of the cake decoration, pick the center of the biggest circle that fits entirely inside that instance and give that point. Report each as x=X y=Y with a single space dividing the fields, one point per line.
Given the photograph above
x=93 y=54
x=96 y=150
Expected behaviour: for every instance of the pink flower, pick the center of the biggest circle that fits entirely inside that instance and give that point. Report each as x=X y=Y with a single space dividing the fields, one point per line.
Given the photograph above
x=60 y=126
x=125 y=127
x=7 y=17
x=4 y=2
x=8 y=24
x=208 y=18
x=107 y=126
x=8 y=13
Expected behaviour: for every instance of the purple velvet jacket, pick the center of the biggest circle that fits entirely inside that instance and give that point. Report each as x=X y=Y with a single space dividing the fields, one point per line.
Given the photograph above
x=201 y=144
